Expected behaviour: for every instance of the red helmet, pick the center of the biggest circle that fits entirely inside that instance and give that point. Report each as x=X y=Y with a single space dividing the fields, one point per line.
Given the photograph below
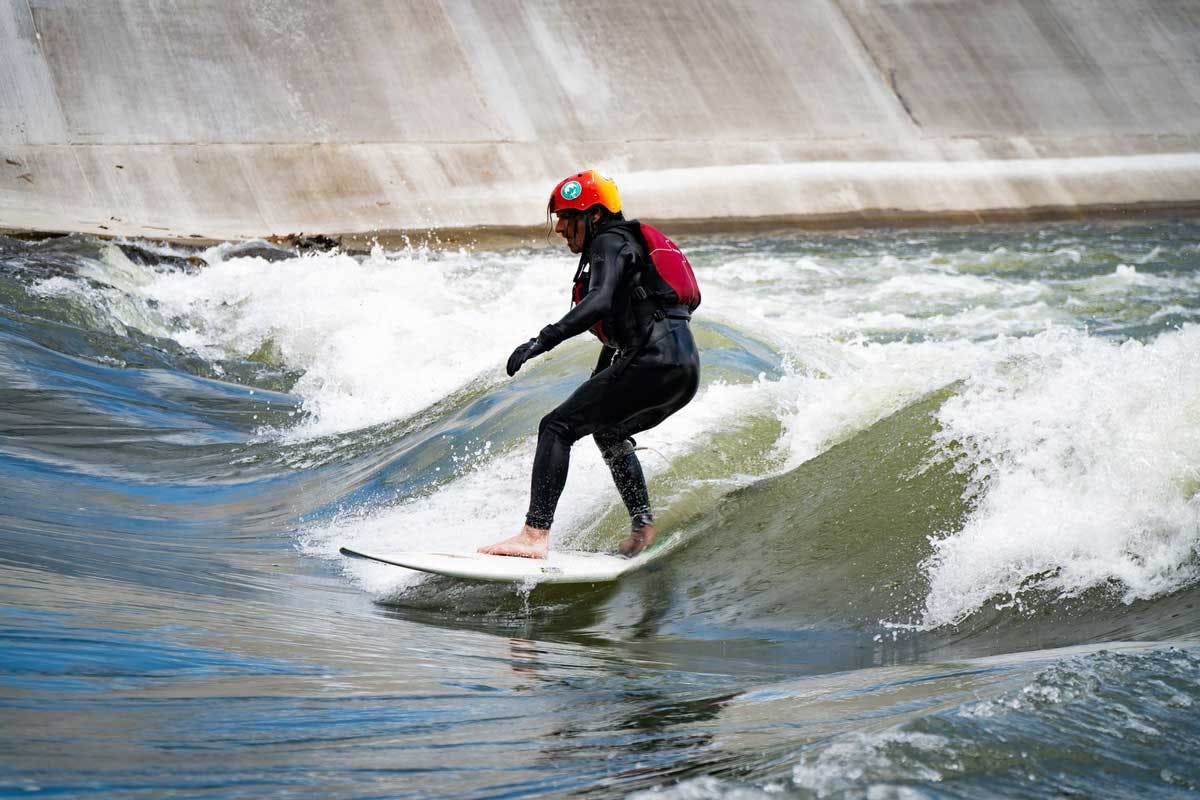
x=583 y=190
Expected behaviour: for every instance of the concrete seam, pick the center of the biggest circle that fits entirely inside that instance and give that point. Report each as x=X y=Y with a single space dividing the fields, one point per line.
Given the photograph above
x=900 y=96
x=887 y=76
x=83 y=174
x=41 y=46
x=33 y=21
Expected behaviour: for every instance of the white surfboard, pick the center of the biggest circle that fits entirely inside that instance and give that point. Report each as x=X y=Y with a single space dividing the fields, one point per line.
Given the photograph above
x=558 y=567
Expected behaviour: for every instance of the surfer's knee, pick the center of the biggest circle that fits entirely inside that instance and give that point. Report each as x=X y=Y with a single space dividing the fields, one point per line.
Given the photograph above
x=553 y=424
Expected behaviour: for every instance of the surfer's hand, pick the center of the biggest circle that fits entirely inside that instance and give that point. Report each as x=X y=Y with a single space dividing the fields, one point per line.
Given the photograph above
x=523 y=353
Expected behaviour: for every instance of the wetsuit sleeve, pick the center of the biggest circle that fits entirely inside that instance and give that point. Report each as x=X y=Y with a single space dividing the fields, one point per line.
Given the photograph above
x=610 y=258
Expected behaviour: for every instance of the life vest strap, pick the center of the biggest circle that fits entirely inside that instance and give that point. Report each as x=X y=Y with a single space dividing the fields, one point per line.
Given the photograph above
x=661 y=312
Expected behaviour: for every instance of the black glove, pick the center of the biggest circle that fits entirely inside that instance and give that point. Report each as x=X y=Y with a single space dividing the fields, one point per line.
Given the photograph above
x=547 y=340
x=523 y=353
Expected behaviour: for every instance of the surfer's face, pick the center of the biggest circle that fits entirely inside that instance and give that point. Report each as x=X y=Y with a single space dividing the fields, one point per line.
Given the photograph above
x=570 y=226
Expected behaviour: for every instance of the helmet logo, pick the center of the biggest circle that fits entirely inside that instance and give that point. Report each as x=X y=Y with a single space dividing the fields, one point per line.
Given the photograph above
x=571 y=190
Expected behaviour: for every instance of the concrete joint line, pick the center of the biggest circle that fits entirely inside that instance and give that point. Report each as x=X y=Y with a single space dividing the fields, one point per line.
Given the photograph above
x=33 y=21
x=41 y=48
x=886 y=75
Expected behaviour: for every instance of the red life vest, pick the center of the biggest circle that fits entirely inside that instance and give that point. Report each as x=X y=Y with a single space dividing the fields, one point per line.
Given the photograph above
x=673 y=267
x=678 y=284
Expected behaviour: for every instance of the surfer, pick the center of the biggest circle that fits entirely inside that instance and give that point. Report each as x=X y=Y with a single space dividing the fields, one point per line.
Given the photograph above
x=649 y=367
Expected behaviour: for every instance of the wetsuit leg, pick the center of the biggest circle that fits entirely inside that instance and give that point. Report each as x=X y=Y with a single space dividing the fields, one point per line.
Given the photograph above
x=551 y=461
x=618 y=453
x=619 y=402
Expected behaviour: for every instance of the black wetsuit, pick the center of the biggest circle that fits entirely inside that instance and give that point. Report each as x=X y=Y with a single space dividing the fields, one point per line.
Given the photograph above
x=648 y=370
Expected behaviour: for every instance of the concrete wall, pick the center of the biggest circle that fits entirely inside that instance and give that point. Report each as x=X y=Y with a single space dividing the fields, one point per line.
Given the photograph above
x=220 y=119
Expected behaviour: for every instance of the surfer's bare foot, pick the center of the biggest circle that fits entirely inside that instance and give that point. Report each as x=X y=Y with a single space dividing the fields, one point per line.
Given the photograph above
x=637 y=540
x=529 y=543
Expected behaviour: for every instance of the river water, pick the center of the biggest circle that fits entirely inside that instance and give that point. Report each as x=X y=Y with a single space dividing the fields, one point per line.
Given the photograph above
x=933 y=520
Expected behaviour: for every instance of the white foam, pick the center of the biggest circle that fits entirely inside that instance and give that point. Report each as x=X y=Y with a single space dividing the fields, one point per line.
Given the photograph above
x=858 y=760
x=1086 y=463
x=1126 y=277
x=376 y=338
x=109 y=300
x=382 y=337
x=845 y=297
x=860 y=385
x=707 y=787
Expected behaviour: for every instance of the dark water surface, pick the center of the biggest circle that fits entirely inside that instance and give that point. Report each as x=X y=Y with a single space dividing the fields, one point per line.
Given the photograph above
x=934 y=525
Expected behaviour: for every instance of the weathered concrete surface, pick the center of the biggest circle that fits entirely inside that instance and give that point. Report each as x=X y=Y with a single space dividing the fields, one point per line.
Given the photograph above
x=226 y=119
